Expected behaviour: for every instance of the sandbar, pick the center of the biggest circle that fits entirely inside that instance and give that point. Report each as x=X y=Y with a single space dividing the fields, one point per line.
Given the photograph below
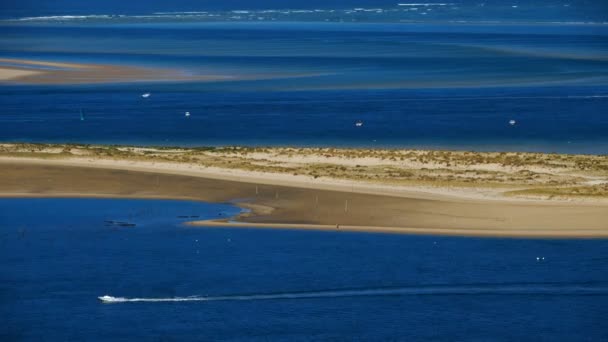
x=22 y=71
x=277 y=202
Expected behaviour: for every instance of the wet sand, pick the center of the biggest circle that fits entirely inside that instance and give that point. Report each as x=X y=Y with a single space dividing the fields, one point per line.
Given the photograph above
x=22 y=71
x=280 y=206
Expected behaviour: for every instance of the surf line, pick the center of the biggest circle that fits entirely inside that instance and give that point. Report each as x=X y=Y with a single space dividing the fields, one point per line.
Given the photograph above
x=481 y=289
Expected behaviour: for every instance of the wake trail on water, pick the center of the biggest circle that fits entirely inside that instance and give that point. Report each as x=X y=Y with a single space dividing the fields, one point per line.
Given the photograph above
x=509 y=289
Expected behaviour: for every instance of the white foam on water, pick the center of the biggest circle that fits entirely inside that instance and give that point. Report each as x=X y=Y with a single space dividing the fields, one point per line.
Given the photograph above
x=274 y=14
x=483 y=289
x=426 y=4
x=112 y=299
x=64 y=17
x=178 y=13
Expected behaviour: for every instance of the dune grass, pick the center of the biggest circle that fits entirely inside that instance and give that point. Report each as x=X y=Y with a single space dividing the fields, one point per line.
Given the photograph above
x=513 y=173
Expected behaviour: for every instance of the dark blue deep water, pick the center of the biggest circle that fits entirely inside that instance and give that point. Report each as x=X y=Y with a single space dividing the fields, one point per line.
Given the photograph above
x=417 y=85
x=59 y=255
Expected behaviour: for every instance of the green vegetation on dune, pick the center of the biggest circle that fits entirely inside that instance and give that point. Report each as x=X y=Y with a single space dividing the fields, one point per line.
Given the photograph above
x=600 y=191
x=516 y=173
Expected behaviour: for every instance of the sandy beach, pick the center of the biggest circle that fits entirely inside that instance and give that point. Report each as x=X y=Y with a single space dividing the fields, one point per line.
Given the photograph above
x=288 y=201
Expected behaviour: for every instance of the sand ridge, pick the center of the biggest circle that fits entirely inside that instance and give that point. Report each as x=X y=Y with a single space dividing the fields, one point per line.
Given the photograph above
x=423 y=174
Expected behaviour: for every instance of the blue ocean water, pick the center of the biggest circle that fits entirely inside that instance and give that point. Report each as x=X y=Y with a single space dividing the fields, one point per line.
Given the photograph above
x=346 y=10
x=445 y=76
x=420 y=85
x=59 y=255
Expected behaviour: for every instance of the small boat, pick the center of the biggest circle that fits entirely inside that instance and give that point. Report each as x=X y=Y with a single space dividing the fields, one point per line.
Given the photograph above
x=146 y=95
x=106 y=298
x=81 y=115
x=187 y=114
x=359 y=123
x=512 y=122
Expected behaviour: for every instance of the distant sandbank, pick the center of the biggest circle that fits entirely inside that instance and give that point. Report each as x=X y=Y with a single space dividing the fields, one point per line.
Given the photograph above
x=22 y=71
x=282 y=200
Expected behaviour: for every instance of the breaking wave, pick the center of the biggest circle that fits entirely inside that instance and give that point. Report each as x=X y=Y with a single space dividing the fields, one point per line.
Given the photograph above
x=67 y=17
x=400 y=12
x=482 y=289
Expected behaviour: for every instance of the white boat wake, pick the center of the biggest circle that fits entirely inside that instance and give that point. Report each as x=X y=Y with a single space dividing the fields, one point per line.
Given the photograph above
x=481 y=289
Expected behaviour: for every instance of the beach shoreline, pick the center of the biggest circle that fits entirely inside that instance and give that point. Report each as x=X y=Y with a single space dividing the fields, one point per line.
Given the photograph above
x=463 y=232
x=275 y=201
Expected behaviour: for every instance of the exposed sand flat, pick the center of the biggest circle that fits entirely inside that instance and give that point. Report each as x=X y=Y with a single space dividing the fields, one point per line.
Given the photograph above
x=13 y=73
x=21 y=71
x=284 y=202
x=42 y=63
x=31 y=72
x=488 y=232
